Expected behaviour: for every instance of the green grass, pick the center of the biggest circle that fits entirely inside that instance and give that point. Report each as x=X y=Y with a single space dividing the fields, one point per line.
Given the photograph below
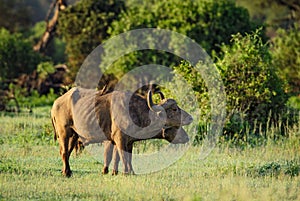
x=30 y=170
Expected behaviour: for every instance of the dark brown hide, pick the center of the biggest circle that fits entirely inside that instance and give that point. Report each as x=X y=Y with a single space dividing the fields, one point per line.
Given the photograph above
x=87 y=116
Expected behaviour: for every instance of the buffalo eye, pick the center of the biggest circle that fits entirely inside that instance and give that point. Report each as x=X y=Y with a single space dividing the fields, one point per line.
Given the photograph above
x=175 y=109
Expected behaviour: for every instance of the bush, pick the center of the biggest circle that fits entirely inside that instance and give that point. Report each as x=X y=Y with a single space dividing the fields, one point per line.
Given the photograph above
x=44 y=69
x=252 y=86
x=16 y=56
x=29 y=101
x=274 y=169
x=286 y=57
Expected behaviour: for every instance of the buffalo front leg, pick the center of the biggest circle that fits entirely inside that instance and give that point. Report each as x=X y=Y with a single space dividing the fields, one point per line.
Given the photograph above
x=124 y=156
x=129 y=148
x=125 y=153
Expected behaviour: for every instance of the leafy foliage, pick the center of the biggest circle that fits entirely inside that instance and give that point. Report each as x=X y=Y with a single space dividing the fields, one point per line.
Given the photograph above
x=45 y=68
x=251 y=81
x=14 y=15
x=16 y=56
x=33 y=100
x=209 y=23
x=274 y=169
x=84 y=25
x=252 y=86
x=273 y=13
x=193 y=77
x=286 y=56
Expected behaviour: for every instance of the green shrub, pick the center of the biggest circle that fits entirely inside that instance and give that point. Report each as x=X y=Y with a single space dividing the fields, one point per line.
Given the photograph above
x=294 y=102
x=16 y=56
x=25 y=100
x=274 y=169
x=251 y=82
x=45 y=68
x=254 y=93
x=210 y=23
x=286 y=57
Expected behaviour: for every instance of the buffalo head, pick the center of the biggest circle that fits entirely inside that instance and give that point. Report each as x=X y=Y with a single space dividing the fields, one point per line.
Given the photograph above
x=175 y=116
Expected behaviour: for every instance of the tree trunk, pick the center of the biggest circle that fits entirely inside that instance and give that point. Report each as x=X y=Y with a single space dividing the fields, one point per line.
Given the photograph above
x=56 y=7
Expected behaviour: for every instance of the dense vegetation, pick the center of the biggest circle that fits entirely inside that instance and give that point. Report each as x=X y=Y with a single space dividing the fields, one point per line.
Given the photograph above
x=260 y=74
x=255 y=46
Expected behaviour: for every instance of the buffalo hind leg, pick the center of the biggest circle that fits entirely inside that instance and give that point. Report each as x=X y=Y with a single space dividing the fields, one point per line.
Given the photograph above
x=108 y=152
x=116 y=160
x=64 y=142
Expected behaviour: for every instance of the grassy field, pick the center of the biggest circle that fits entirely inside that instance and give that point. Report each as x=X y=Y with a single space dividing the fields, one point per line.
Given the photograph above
x=30 y=170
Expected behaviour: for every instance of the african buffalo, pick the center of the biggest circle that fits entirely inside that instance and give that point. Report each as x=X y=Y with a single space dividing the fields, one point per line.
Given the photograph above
x=87 y=116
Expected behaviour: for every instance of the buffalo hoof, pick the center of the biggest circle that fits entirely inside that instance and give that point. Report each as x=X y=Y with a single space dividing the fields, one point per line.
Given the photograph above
x=115 y=172
x=67 y=173
x=105 y=170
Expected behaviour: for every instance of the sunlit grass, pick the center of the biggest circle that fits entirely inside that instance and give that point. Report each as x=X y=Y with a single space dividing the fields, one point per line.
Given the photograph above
x=30 y=170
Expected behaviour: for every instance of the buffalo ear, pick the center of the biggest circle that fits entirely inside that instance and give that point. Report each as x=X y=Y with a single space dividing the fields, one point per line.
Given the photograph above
x=159 y=111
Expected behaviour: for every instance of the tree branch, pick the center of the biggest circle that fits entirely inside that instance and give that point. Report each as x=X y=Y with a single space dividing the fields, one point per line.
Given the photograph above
x=56 y=7
x=293 y=5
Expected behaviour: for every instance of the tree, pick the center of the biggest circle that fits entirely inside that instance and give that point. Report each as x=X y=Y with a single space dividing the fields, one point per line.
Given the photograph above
x=57 y=6
x=16 y=56
x=273 y=13
x=84 y=26
x=14 y=15
x=88 y=23
x=210 y=23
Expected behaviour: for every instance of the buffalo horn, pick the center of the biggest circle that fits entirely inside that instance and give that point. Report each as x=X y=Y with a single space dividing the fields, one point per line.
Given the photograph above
x=150 y=101
x=162 y=97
